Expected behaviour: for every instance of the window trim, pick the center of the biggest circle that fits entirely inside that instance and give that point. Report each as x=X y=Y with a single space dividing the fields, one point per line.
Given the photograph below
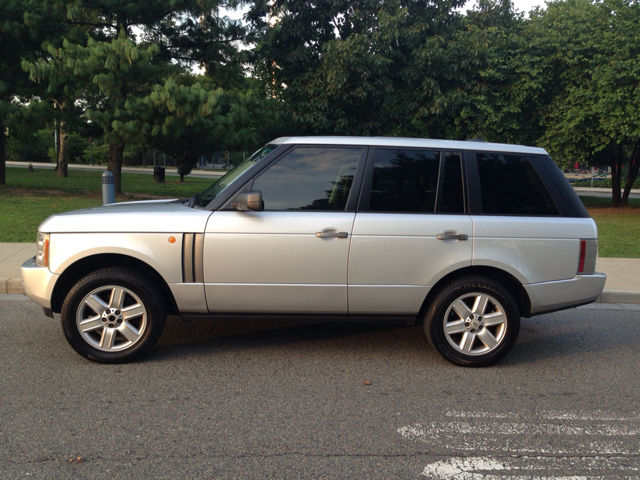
x=367 y=182
x=475 y=195
x=355 y=186
x=465 y=201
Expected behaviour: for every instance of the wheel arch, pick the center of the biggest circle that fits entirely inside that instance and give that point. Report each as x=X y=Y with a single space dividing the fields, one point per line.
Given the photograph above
x=74 y=272
x=511 y=283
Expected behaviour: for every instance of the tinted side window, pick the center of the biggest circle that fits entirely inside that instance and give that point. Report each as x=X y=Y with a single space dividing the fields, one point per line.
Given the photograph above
x=452 y=200
x=404 y=181
x=510 y=186
x=309 y=178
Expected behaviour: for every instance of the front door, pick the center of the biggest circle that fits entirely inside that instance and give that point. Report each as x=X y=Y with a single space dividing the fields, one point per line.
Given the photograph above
x=293 y=255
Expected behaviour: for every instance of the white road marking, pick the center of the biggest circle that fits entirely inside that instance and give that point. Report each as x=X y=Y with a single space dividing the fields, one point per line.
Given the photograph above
x=558 y=445
x=550 y=415
x=488 y=468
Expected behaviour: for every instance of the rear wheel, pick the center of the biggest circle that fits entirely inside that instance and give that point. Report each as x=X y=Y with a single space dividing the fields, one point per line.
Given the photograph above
x=473 y=322
x=113 y=315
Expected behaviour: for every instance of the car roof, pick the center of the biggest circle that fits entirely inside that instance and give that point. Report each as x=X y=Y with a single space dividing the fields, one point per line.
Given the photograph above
x=412 y=142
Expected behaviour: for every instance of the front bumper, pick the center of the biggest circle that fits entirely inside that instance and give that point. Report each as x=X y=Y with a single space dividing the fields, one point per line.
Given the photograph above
x=38 y=282
x=553 y=296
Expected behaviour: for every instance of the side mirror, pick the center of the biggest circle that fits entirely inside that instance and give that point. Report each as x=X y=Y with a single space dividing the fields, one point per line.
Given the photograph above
x=248 y=201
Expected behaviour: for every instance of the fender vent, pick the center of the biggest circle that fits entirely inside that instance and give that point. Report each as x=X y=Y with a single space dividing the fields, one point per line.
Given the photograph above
x=192 y=256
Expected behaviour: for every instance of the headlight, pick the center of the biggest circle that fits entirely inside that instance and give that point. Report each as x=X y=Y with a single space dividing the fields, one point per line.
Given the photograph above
x=42 y=257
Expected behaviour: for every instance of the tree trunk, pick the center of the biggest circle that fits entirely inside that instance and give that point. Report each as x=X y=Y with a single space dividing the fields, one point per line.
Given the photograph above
x=616 y=176
x=56 y=128
x=3 y=155
x=63 y=151
x=116 y=152
x=144 y=158
x=181 y=178
x=634 y=167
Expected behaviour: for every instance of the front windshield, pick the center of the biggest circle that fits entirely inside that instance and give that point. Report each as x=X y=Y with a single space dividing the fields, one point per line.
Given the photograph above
x=223 y=182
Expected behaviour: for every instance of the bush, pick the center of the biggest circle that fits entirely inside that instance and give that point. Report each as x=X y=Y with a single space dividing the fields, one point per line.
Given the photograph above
x=603 y=183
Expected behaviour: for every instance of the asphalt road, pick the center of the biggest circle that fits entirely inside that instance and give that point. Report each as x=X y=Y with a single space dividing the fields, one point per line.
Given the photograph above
x=287 y=400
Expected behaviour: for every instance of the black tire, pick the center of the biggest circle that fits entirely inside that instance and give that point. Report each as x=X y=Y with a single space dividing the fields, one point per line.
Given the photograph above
x=473 y=345
x=109 y=334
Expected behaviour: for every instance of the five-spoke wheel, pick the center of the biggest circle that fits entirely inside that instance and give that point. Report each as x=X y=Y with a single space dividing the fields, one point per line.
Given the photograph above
x=113 y=315
x=473 y=321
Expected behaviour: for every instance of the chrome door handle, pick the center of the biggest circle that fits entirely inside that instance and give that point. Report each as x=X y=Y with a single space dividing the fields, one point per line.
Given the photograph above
x=332 y=234
x=453 y=236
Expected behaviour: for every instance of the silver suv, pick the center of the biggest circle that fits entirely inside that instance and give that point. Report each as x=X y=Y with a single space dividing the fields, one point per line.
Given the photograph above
x=464 y=237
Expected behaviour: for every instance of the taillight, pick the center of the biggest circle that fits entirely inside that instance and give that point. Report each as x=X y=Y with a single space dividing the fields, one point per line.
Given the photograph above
x=583 y=253
x=588 y=256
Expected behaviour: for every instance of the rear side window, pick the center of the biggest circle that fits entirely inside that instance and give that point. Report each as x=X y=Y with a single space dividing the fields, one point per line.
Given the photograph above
x=510 y=186
x=404 y=181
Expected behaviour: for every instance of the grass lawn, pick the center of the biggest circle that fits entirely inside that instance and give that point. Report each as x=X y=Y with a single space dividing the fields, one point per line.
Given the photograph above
x=81 y=181
x=20 y=214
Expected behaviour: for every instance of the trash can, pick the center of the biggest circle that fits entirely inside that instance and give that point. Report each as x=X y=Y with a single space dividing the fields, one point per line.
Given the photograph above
x=158 y=174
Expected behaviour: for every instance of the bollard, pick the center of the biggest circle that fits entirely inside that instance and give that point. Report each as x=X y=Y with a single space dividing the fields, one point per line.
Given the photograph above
x=108 y=188
x=158 y=174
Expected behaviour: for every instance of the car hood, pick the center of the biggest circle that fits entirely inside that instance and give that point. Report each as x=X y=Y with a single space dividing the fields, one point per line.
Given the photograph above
x=153 y=216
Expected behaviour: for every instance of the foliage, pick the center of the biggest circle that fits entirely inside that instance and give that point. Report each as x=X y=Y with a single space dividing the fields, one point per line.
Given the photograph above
x=580 y=65
x=32 y=147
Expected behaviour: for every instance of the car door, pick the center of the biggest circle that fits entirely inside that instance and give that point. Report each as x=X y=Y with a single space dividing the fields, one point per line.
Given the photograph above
x=411 y=229
x=517 y=225
x=292 y=256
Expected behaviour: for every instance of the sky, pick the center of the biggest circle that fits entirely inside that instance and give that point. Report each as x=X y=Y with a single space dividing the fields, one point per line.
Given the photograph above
x=522 y=5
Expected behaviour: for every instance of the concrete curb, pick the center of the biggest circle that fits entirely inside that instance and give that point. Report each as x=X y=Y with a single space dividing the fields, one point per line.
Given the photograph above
x=15 y=285
x=619 y=296
x=11 y=285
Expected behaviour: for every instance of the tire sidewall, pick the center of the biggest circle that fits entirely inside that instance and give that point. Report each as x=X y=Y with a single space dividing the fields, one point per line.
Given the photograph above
x=131 y=280
x=434 y=325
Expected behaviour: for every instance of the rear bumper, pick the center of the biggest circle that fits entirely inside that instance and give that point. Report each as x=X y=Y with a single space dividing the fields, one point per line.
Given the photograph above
x=561 y=294
x=38 y=282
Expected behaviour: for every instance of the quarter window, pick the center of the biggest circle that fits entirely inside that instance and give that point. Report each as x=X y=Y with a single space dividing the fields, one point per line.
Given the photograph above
x=310 y=178
x=510 y=186
x=452 y=200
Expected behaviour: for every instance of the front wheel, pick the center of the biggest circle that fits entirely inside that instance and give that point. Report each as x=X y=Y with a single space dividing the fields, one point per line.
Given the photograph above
x=113 y=315
x=473 y=322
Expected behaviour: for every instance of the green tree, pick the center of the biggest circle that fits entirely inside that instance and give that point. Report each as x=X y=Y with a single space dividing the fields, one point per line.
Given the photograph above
x=581 y=66
x=188 y=117
x=130 y=46
x=66 y=92
x=18 y=42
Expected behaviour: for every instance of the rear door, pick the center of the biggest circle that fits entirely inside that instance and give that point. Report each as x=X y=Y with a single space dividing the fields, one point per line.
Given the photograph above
x=411 y=229
x=293 y=256
x=518 y=227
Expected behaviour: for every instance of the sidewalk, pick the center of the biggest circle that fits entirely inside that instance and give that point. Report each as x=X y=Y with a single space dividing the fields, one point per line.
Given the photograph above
x=623 y=274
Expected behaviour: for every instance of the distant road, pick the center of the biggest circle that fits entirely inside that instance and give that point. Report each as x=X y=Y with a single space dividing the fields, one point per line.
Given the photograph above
x=207 y=173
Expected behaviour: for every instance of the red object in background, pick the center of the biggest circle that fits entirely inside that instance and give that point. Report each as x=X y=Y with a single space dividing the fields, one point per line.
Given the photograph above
x=576 y=166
